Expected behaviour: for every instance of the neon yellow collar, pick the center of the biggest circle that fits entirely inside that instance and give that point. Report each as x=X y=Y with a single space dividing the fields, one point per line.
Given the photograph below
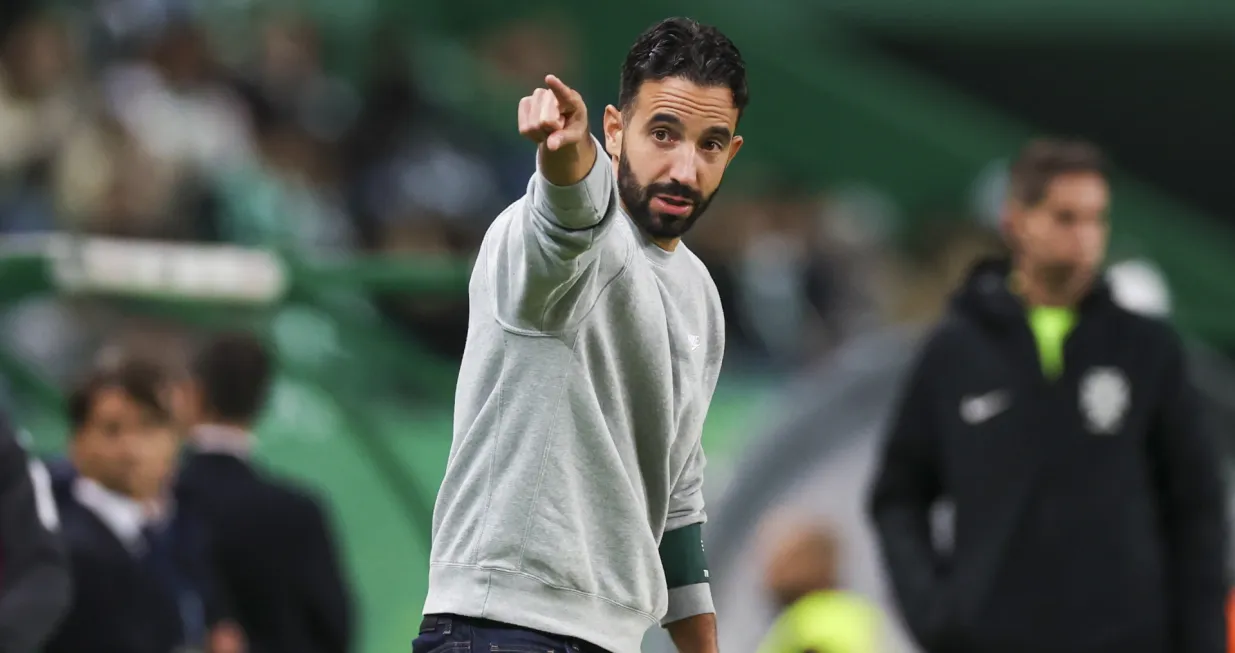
x=1050 y=326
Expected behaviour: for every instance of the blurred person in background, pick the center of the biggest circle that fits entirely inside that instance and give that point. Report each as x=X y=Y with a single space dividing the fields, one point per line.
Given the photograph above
x=421 y=184
x=175 y=100
x=141 y=563
x=786 y=283
x=293 y=175
x=275 y=549
x=143 y=347
x=38 y=106
x=594 y=346
x=35 y=581
x=289 y=75
x=815 y=615
x=790 y=272
x=1064 y=432
x=299 y=115
x=141 y=163
x=105 y=182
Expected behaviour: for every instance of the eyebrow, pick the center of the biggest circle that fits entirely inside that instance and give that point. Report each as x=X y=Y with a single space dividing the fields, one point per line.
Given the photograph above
x=720 y=132
x=667 y=118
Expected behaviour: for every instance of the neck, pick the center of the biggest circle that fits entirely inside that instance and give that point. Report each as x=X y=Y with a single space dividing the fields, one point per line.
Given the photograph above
x=241 y=430
x=112 y=488
x=1039 y=292
x=667 y=244
x=220 y=431
x=229 y=439
x=152 y=500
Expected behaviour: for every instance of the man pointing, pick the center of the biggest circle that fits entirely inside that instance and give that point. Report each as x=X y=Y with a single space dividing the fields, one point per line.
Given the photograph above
x=570 y=515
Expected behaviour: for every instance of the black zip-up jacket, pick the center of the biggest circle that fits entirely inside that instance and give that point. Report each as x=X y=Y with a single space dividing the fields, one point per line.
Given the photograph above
x=1089 y=510
x=34 y=570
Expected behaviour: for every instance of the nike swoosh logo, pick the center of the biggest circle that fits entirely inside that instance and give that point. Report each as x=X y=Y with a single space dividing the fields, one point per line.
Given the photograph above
x=983 y=408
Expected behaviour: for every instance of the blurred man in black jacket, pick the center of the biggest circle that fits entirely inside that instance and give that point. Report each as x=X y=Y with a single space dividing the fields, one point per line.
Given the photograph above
x=277 y=555
x=1088 y=502
x=141 y=560
x=34 y=574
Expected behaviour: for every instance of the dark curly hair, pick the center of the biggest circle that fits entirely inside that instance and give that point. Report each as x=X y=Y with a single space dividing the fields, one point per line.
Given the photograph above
x=682 y=47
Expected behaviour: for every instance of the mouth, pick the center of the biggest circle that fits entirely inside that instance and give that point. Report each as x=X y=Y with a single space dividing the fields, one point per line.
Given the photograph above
x=671 y=205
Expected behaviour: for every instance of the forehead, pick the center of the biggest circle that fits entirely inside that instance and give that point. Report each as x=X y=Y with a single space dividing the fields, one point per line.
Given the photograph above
x=694 y=105
x=115 y=403
x=1082 y=188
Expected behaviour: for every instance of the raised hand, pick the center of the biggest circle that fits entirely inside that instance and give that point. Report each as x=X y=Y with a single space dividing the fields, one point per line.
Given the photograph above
x=554 y=116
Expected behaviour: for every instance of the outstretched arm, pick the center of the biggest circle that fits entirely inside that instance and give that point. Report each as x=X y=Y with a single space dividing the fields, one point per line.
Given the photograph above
x=540 y=257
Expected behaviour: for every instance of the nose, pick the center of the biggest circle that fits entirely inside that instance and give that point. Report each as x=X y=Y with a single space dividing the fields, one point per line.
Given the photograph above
x=1088 y=232
x=685 y=169
x=127 y=461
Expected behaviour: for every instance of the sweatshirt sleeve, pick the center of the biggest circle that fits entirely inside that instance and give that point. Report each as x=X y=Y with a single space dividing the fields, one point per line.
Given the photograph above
x=544 y=251
x=578 y=209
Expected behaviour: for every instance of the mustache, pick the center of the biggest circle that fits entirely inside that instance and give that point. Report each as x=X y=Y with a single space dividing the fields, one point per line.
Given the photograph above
x=674 y=188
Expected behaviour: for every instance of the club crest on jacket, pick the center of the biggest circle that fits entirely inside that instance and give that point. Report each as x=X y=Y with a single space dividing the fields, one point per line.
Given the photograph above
x=1105 y=395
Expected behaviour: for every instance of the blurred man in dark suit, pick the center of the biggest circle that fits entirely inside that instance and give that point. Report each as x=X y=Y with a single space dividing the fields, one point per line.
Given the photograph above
x=277 y=557
x=140 y=560
x=34 y=576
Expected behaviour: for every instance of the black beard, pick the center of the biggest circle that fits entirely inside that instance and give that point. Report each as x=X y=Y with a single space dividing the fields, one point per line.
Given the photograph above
x=637 y=200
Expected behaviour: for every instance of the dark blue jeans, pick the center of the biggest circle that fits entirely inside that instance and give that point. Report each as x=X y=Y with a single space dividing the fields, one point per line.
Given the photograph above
x=453 y=634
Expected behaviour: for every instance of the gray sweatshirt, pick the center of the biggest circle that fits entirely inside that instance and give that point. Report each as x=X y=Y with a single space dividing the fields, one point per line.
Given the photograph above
x=591 y=358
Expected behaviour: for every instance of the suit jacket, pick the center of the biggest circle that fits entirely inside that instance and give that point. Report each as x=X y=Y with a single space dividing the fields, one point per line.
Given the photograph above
x=183 y=559
x=119 y=605
x=152 y=592
x=61 y=471
x=275 y=555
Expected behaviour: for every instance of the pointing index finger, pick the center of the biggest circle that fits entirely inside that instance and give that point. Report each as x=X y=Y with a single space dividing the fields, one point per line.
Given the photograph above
x=566 y=97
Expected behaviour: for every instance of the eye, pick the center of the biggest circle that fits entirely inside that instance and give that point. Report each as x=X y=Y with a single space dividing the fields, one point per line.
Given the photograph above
x=660 y=134
x=713 y=146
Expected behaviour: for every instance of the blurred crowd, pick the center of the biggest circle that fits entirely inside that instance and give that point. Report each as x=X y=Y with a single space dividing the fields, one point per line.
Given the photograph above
x=135 y=119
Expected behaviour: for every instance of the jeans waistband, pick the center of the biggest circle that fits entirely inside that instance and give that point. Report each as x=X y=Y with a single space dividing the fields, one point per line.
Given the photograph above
x=445 y=623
